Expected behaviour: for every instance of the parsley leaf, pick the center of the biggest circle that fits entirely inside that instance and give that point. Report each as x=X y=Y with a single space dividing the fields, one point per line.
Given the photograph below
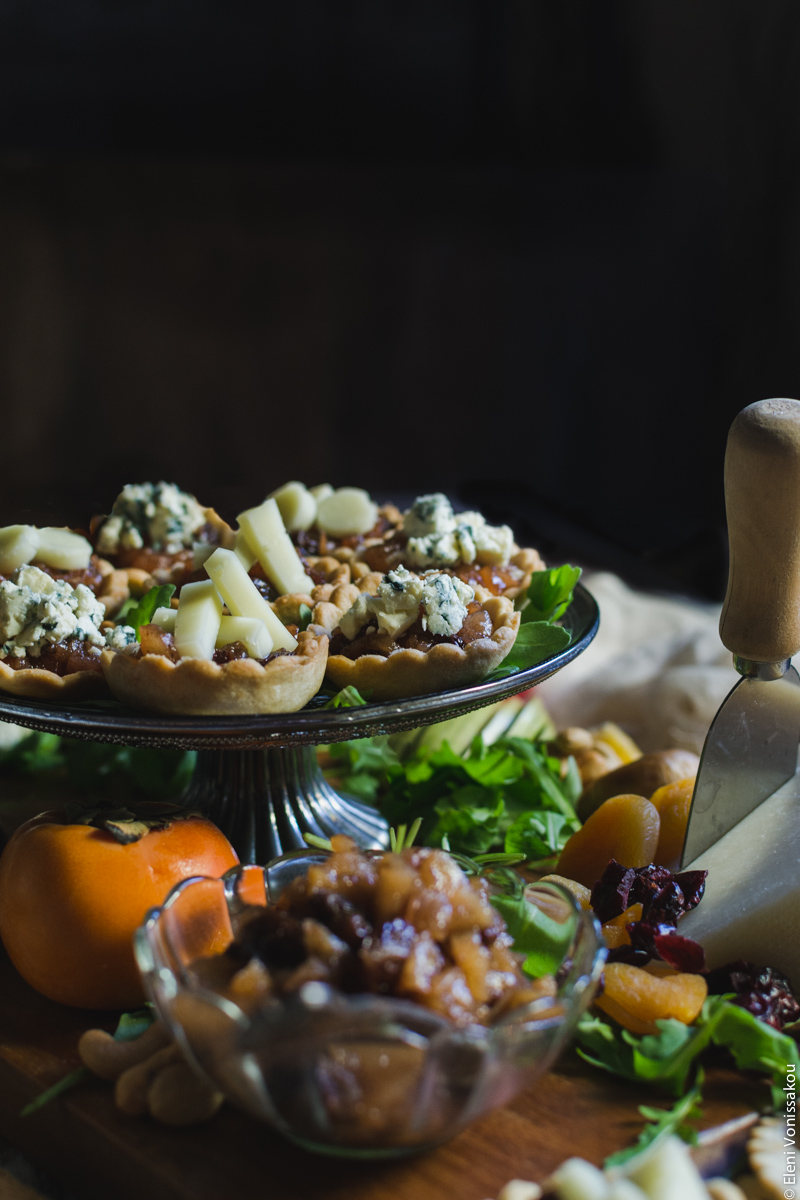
x=537 y=835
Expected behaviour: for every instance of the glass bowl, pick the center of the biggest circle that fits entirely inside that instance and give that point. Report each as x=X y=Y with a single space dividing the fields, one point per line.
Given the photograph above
x=362 y=1076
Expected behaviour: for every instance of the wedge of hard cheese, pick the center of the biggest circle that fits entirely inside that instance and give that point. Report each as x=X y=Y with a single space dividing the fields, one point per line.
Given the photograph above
x=268 y=540
x=243 y=597
x=751 y=906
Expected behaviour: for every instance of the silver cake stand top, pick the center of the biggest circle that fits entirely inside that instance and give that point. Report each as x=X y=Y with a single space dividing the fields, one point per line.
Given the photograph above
x=257 y=777
x=111 y=722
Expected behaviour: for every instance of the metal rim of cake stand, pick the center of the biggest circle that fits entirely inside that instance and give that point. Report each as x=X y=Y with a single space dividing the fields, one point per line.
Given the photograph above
x=257 y=777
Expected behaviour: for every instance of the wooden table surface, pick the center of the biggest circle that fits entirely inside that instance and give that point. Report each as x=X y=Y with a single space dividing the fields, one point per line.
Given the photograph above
x=82 y=1140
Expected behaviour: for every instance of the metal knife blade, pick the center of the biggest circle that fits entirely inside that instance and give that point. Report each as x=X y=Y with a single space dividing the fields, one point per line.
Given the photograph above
x=751 y=748
x=750 y=751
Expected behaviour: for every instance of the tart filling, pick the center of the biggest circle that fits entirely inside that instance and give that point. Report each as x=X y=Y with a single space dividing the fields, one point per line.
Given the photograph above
x=159 y=530
x=198 y=659
x=420 y=634
x=462 y=544
x=52 y=633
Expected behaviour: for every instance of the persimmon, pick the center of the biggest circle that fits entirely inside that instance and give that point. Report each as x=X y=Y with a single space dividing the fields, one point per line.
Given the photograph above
x=72 y=894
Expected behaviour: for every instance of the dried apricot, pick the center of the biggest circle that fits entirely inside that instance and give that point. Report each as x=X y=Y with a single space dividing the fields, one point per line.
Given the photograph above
x=615 y=932
x=637 y=999
x=625 y=828
x=673 y=802
x=582 y=894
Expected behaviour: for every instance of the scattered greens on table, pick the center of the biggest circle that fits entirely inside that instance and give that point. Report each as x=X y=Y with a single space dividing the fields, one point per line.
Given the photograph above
x=666 y=1059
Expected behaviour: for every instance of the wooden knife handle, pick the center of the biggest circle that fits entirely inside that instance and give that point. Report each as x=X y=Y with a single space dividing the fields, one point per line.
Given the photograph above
x=761 y=615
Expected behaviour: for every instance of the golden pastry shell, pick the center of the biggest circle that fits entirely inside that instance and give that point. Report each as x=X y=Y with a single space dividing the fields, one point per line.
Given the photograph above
x=442 y=668
x=37 y=683
x=199 y=687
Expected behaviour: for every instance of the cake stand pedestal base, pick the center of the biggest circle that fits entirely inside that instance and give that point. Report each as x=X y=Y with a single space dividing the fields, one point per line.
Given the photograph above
x=265 y=800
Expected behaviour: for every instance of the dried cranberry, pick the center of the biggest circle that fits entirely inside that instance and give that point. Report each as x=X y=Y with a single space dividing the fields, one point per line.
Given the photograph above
x=610 y=893
x=763 y=991
x=664 y=942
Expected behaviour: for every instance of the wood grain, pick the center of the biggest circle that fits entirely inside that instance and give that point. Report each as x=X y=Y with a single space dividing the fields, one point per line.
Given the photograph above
x=85 y=1142
x=761 y=615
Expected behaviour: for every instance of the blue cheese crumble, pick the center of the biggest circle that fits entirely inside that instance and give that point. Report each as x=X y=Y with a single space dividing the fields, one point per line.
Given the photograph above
x=122 y=637
x=401 y=595
x=37 y=610
x=438 y=537
x=158 y=515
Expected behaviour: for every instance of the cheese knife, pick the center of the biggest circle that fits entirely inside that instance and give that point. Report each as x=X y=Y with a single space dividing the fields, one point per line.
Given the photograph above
x=751 y=747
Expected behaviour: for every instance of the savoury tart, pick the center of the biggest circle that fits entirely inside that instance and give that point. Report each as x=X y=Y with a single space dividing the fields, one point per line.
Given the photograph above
x=201 y=687
x=405 y=672
x=40 y=683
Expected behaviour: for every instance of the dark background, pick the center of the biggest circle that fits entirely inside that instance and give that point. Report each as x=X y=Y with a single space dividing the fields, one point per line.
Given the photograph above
x=536 y=253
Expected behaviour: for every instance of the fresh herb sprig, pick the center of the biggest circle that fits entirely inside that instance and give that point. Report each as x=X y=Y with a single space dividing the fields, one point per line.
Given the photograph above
x=548 y=597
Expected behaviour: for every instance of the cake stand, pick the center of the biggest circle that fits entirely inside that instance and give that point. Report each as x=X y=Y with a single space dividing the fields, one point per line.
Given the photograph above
x=257 y=777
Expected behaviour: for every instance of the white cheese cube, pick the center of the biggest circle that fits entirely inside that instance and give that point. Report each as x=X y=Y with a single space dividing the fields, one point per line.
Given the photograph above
x=264 y=529
x=165 y=619
x=18 y=545
x=243 y=597
x=252 y=633
x=346 y=512
x=197 y=620
x=297 y=506
x=241 y=548
x=62 y=549
x=200 y=552
x=320 y=491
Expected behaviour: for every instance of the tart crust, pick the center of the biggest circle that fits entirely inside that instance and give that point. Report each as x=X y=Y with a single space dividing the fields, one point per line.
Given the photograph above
x=37 y=683
x=442 y=668
x=199 y=687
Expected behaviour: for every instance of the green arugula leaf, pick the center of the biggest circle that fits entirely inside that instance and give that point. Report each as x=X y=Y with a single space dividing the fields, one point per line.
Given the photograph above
x=550 y=593
x=666 y=1058
x=756 y=1046
x=665 y=1121
x=141 y=613
x=348 y=697
x=535 y=642
x=544 y=940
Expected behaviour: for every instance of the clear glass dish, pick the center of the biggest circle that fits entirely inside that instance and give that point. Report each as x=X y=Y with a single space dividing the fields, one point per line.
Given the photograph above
x=360 y=1076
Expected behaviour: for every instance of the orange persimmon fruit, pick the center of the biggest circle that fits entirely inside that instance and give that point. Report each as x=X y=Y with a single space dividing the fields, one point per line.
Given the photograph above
x=72 y=895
